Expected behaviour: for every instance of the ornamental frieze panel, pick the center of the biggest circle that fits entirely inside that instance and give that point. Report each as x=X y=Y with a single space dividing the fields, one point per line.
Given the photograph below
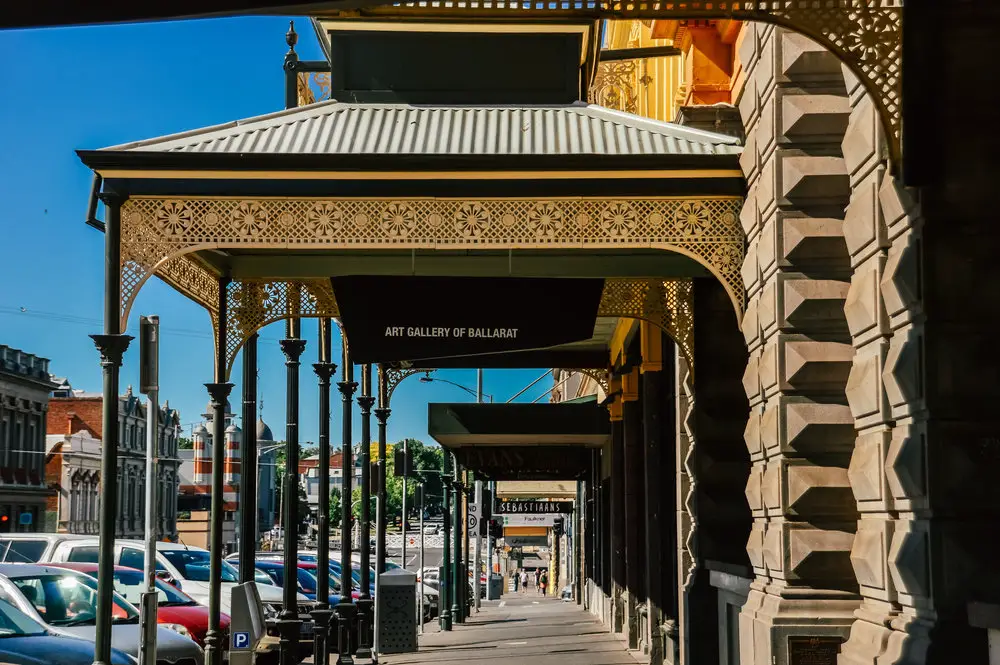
x=159 y=236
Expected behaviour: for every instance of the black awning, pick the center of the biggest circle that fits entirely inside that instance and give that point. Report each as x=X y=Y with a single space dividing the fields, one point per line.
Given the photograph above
x=521 y=441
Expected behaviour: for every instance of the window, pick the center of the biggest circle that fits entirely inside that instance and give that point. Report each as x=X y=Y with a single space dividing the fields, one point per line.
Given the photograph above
x=21 y=551
x=193 y=565
x=132 y=558
x=85 y=554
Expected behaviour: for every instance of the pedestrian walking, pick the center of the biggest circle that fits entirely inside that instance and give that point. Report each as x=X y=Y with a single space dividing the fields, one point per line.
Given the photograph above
x=524 y=580
x=538 y=577
x=543 y=582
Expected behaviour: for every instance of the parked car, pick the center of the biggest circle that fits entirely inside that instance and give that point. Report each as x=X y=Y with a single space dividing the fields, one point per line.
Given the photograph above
x=66 y=602
x=24 y=641
x=306 y=581
x=174 y=609
x=33 y=547
x=431 y=529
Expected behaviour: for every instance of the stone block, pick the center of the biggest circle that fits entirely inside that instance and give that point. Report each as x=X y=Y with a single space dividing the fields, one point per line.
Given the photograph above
x=767 y=368
x=750 y=213
x=866 y=317
x=906 y=465
x=810 y=242
x=903 y=375
x=766 y=314
x=750 y=325
x=766 y=186
x=749 y=102
x=866 y=470
x=902 y=283
x=751 y=378
x=751 y=270
x=812 y=118
x=749 y=158
x=811 y=365
x=870 y=557
x=747 y=48
x=864 y=225
x=851 y=82
x=766 y=249
x=800 y=551
x=812 y=180
x=899 y=208
x=799 y=488
x=862 y=140
x=864 y=386
x=795 y=425
x=764 y=73
x=766 y=126
x=810 y=305
x=753 y=490
x=751 y=435
x=909 y=559
x=804 y=61
x=755 y=546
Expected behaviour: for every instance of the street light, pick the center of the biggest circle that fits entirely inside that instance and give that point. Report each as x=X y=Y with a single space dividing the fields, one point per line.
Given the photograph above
x=427 y=378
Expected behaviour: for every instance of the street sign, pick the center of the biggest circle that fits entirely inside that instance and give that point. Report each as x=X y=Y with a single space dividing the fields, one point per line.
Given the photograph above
x=241 y=640
x=529 y=520
x=26 y=519
x=473 y=522
x=515 y=507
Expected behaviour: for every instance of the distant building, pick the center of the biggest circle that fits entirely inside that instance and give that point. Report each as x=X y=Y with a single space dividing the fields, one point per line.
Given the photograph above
x=24 y=402
x=309 y=474
x=75 y=426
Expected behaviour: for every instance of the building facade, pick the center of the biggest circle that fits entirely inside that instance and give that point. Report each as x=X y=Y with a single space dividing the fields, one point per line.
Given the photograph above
x=73 y=427
x=24 y=401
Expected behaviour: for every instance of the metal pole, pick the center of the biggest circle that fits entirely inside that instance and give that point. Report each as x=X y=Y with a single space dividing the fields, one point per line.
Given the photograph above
x=382 y=415
x=402 y=561
x=477 y=557
x=249 y=462
x=365 y=608
x=218 y=392
x=456 y=596
x=420 y=607
x=111 y=345
x=292 y=346
x=466 y=477
x=444 y=606
x=147 y=636
x=489 y=548
x=346 y=610
x=321 y=615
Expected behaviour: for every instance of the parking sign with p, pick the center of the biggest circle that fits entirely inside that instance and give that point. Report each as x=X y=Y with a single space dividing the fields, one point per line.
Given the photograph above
x=241 y=640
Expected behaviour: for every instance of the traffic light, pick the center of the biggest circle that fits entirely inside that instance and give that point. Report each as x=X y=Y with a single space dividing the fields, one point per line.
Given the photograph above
x=402 y=462
x=557 y=526
x=6 y=525
x=486 y=512
x=496 y=527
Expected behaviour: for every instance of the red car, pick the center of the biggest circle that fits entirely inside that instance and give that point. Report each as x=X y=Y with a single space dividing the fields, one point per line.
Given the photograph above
x=175 y=610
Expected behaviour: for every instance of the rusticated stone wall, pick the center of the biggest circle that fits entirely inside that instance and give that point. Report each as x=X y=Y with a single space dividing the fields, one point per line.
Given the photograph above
x=797 y=272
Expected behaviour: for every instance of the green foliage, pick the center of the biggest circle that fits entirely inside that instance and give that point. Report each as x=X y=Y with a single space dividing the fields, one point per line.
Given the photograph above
x=425 y=459
x=184 y=443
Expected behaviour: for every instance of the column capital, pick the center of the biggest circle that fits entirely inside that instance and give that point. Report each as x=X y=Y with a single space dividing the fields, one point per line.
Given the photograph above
x=325 y=371
x=292 y=348
x=382 y=413
x=219 y=392
x=347 y=388
x=111 y=348
x=366 y=402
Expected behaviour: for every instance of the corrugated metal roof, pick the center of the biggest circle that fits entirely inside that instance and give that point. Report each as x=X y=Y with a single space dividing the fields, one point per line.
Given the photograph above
x=339 y=128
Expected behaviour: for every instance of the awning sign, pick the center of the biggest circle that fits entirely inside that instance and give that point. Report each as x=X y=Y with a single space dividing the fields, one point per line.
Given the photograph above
x=393 y=318
x=520 y=507
x=529 y=520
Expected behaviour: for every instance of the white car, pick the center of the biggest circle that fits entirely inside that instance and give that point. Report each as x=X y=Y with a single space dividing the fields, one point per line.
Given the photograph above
x=184 y=566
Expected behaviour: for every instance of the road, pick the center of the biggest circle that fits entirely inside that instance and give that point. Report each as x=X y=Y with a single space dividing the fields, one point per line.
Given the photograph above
x=432 y=556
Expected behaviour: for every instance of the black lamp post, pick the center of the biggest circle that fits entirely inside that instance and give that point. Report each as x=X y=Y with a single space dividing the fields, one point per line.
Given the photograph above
x=365 y=604
x=346 y=611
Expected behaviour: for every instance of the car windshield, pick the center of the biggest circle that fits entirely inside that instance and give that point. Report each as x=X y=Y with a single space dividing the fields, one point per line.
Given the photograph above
x=16 y=550
x=15 y=623
x=193 y=565
x=69 y=600
x=307 y=581
x=131 y=585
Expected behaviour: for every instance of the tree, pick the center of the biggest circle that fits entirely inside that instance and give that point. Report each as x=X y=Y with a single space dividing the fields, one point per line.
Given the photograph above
x=425 y=458
x=184 y=443
x=335 y=515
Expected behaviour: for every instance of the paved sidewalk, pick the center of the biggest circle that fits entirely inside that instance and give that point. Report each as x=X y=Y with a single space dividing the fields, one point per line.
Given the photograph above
x=520 y=630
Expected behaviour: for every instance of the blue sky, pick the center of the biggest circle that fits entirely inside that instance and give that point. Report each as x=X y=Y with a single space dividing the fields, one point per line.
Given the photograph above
x=90 y=87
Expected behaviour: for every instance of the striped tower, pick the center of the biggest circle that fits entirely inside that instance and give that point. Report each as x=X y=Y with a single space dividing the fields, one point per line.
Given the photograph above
x=202 y=456
x=231 y=470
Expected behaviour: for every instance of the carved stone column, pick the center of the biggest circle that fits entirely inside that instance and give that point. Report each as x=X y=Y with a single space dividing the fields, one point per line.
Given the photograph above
x=800 y=432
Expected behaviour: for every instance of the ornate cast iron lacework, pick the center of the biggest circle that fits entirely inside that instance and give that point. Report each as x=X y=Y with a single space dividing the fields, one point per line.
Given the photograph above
x=160 y=235
x=665 y=303
x=616 y=86
x=389 y=379
x=867 y=35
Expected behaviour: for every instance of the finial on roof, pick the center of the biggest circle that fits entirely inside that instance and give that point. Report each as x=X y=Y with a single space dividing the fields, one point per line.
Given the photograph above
x=128 y=393
x=291 y=38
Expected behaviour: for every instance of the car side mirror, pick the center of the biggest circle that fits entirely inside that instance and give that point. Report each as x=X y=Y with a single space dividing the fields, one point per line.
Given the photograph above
x=168 y=578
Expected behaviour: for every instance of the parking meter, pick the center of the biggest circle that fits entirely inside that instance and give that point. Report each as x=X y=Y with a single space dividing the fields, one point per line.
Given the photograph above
x=247 y=624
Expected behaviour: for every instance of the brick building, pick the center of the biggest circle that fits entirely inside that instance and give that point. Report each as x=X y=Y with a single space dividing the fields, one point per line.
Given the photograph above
x=24 y=399
x=75 y=432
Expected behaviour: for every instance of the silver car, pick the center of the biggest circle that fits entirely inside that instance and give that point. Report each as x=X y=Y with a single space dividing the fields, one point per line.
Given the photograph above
x=65 y=601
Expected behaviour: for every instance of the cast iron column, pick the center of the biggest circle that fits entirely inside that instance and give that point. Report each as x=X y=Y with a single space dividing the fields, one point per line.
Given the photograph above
x=292 y=346
x=321 y=615
x=444 y=592
x=616 y=525
x=218 y=392
x=652 y=404
x=111 y=345
x=457 y=582
x=635 y=544
x=365 y=605
x=382 y=414
x=248 y=463
x=346 y=610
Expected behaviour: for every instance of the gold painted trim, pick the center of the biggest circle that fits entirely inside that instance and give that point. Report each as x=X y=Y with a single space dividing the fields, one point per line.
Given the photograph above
x=414 y=26
x=156 y=174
